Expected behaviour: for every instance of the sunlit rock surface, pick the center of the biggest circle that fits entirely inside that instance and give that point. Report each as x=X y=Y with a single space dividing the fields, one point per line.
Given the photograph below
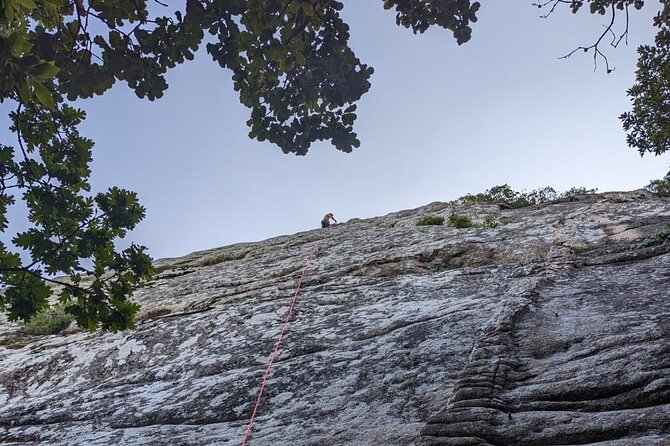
x=551 y=329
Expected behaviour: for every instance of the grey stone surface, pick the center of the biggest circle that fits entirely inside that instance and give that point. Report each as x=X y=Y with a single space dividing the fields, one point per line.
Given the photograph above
x=551 y=329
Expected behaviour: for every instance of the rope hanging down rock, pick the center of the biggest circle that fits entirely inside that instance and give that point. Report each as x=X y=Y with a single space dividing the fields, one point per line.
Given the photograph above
x=275 y=352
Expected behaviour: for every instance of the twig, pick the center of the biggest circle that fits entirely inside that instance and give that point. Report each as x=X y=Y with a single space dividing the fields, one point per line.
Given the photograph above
x=39 y=276
x=595 y=46
x=553 y=7
x=625 y=33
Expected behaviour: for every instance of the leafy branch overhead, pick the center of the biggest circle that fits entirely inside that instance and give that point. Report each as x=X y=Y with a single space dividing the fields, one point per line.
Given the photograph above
x=72 y=232
x=290 y=59
x=292 y=66
x=648 y=123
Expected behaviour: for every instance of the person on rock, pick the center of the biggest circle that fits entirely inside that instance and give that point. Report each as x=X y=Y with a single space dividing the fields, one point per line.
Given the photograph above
x=326 y=220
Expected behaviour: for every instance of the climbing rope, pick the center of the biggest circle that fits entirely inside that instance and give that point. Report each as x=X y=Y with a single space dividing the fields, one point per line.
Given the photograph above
x=275 y=352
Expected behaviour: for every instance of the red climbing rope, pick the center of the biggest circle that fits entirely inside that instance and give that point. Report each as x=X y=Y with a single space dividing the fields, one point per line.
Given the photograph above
x=287 y=320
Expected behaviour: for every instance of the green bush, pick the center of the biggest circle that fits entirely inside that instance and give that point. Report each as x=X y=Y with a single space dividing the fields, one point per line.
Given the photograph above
x=48 y=321
x=490 y=222
x=577 y=191
x=440 y=265
x=430 y=220
x=460 y=221
x=661 y=187
x=505 y=195
x=664 y=236
x=659 y=239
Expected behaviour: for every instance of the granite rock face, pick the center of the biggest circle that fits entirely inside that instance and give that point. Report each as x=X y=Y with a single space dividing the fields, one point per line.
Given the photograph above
x=550 y=329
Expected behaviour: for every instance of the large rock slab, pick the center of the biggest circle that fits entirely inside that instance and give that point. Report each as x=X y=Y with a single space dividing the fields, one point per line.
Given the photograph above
x=552 y=328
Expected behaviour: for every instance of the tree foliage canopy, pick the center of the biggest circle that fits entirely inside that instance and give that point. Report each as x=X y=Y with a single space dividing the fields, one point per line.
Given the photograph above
x=291 y=65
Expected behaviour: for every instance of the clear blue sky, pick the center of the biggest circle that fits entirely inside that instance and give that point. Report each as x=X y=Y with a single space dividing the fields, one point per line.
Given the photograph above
x=440 y=121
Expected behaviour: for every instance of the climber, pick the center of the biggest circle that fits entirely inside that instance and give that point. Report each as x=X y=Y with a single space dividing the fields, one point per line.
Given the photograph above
x=326 y=220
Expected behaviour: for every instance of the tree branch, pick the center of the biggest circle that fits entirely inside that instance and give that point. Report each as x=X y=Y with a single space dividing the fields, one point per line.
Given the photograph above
x=25 y=270
x=65 y=239
x=595 y=47
x=553 y=7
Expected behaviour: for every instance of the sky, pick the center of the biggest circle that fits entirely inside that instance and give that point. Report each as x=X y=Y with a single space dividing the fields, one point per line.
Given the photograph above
x=440 y=121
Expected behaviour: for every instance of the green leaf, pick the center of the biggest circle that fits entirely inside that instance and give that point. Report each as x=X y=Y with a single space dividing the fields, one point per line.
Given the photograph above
x=43 y=95
x=9 y=260
x=28 y=4
x=9 y=10
x=20 y=46
x=43 y=71
x=26 y=295
x=24 y=91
